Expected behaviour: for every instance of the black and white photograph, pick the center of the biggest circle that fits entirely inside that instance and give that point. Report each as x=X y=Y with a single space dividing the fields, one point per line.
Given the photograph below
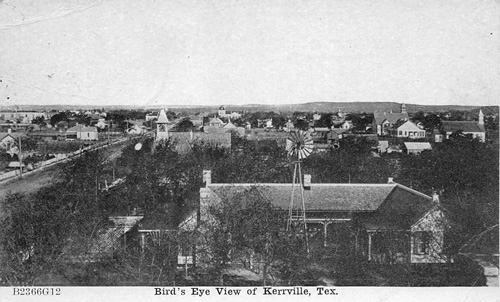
x=267 y=148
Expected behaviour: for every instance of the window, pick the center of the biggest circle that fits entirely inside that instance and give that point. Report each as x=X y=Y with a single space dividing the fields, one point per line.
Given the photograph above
x=421 y=243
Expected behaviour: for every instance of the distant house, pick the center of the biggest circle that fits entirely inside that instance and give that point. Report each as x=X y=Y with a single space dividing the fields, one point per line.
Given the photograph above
x=22 y=116
x=10 y=139
x=384 y=122
x=289 y=126
x=229 y=125
x=476 y=129
x=151 y=116
x=197 y=120
x=223 y=113
x=417 y=147
x=48 y=135
x=395 y=224
x=215 y=122
x=408 y=129
x=101 y=123
x=347 y=125
x=81 y=132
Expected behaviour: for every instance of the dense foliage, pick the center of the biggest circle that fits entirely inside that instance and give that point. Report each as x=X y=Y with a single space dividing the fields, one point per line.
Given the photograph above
x=41 y=229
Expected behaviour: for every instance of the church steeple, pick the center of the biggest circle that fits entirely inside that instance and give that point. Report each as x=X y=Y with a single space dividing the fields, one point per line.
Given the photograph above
x=481 y=117
x=161 y=126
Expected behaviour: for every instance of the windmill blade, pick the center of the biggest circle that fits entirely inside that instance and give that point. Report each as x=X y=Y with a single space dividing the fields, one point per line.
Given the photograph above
x=289 y=145
x=299 y=144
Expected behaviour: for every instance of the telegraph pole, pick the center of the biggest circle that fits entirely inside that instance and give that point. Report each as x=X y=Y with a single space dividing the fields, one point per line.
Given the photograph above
x=20 y=160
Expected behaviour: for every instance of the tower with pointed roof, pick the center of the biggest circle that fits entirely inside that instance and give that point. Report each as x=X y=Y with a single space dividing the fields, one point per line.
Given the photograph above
x=481 y=117
x=162 y=126
x=222 y=111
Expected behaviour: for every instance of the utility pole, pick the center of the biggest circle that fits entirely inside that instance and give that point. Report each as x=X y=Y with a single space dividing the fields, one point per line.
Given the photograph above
x=20 y=160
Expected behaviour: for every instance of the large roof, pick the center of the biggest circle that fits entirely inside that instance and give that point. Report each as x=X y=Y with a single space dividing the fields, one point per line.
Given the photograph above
x=393 y=204
x=418 y=145
x=12 y=134
x=465 y=126
x=379 y=117
x=320 y=197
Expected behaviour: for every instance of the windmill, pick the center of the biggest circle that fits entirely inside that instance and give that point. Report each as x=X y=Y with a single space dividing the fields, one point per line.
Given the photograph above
x=299 y=145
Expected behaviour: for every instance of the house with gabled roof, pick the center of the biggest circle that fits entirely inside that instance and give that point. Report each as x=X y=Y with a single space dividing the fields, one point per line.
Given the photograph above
x=384 y=121
x=476 y=129
x=417 y=147
x=82 y=132
x=9 y=139
x=405 y=128
x=396 y=224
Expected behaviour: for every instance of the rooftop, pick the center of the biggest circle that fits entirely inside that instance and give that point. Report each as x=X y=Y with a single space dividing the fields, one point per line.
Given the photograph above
x=393 y=204
x=379 y=117
x=465 y=126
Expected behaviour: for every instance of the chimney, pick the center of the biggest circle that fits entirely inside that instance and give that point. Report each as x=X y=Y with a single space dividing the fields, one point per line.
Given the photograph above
x=207 y=177
x=390 y=180
x=9 y=130
x=435 y=197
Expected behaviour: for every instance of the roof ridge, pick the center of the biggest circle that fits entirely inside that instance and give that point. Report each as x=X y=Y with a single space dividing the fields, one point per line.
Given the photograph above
x=412 y=190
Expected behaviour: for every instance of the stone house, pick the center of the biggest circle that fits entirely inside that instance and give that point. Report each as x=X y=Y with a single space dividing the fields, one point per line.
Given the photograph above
x=393 y=223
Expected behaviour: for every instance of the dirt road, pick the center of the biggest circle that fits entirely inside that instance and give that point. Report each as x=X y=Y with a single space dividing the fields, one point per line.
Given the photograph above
x=35 y=181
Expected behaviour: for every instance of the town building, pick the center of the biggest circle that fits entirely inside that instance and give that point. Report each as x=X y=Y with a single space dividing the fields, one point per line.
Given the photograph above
x=476 y=129
x=10 y=139
x=25 y=117
x=81 y=132
x=412 y=220
x=417 y=147
x=184 y=141
x=223 y=113
x=384 y=122
x=406 y=128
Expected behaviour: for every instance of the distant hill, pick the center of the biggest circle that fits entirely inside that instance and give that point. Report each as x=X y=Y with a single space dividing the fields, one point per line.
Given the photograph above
x=306 y=107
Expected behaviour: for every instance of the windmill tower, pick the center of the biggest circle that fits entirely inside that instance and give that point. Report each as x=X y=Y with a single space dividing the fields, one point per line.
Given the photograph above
x=162 y=127
x=299 y=145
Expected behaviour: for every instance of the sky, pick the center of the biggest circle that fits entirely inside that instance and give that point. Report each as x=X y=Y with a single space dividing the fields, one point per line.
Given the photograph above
x=212 y=52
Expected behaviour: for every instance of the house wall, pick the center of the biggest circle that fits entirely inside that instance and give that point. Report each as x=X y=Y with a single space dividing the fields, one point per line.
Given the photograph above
x=434 y=224
x=87 y=135
x=409 y=129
